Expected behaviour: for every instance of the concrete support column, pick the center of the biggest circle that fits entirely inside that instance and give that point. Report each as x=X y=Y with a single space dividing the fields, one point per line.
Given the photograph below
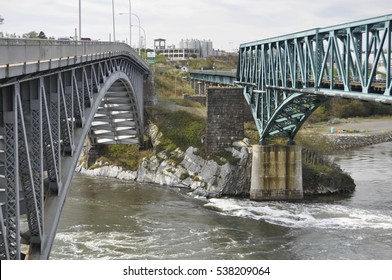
x=276 y=173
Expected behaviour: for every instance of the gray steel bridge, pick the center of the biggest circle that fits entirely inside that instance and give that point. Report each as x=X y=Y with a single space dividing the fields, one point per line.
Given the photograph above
x=286 y=78
x=53 y=95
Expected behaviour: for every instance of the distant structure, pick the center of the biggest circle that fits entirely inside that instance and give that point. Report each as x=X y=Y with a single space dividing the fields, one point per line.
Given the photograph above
x=159 y=44
x=1 y=20
x=188 y=48
x=204 y=48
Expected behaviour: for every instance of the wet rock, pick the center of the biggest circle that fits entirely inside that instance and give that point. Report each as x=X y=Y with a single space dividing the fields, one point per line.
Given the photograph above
x=335 y=181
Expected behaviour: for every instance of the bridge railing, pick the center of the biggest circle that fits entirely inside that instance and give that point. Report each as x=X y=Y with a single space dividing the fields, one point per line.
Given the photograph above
x=25 y=56
x=351 y=58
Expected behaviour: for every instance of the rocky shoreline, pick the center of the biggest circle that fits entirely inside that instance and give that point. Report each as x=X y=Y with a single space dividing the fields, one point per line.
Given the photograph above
x=208 y=178
x=181 y=169
x=356 y=140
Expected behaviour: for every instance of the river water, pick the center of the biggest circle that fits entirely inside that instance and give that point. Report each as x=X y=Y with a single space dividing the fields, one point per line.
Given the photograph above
x=111 y=219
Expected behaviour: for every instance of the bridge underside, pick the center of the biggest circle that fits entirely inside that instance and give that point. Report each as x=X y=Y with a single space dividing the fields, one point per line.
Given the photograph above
x=116 y=120
x=44 y=121
x=286 y=117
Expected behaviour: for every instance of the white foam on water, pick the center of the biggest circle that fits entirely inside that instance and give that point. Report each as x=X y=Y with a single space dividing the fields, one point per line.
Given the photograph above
x=302 y=215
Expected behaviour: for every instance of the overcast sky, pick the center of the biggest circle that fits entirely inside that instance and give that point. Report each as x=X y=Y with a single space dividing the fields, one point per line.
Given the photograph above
x=227 y=23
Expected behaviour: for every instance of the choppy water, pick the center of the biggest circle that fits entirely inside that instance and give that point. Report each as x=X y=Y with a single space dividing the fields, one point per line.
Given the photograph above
x=109 y=219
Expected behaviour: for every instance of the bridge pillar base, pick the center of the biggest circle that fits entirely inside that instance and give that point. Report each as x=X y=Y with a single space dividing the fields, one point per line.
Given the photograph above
x=276 y=173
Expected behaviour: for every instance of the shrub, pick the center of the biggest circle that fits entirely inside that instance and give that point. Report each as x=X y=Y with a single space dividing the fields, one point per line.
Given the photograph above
x=126 y=156
x=180 y=129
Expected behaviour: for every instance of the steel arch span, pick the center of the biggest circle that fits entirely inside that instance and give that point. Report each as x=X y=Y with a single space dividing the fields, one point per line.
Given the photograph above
x=45 y=118
x=286 y=78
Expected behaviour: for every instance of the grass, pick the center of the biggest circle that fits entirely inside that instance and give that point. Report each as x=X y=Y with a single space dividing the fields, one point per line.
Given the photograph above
x=227 y=156
x=179 y=129
x=127 y=156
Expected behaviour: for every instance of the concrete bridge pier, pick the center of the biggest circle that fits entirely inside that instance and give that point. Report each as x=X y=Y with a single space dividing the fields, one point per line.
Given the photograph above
x=276 y=173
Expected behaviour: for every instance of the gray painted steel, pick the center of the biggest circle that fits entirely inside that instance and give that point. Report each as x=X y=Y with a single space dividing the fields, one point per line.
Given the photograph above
x=52 y=96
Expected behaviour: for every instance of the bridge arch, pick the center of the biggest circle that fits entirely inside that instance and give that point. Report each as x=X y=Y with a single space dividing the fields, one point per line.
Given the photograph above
x=287 y=118
x=45 y=117
x=117 y=118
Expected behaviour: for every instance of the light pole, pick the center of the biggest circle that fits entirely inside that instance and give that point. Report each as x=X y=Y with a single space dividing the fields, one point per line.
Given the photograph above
x=138 y=20
x=130 y=27
x=130 y=23
x=80 y=19
x=114 y=23
x=145 y=39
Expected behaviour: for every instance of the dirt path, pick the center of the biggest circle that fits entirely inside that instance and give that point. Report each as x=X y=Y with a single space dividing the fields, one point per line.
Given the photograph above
x=356 y=125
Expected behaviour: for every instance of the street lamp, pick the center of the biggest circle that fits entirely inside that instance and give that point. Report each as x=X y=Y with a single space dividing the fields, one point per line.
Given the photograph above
x=130 y=27
x=145 y=40
x=80 y=19
x=114 y=23
x=130 y=24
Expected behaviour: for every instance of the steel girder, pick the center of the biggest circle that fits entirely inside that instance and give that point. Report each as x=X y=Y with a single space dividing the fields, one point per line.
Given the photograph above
x=214 y=77
x=44 y=121
x=350 y=60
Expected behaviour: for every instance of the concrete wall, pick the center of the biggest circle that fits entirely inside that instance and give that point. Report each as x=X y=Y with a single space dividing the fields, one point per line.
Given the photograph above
x=276 y=173
x=225 y=118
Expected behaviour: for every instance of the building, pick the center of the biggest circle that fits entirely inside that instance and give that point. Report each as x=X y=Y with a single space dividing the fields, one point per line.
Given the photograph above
x=188 y=48
x=160 y=44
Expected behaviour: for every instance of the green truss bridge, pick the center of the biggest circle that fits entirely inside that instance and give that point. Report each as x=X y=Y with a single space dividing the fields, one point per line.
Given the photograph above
x=284 y=79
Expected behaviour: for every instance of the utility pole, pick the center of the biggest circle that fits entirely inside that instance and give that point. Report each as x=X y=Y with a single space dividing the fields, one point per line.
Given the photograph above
x=80 y=20
x=130 y=23
x=114 y=23
x=1 y=20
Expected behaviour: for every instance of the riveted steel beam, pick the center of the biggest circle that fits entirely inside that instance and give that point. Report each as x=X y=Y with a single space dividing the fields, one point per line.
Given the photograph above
x=44 y=120
x=285 y=74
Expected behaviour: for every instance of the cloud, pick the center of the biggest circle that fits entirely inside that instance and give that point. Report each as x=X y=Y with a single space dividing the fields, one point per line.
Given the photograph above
x=227 y=23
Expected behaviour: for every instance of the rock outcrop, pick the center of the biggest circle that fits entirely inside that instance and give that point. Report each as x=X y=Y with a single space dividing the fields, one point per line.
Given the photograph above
x=334 y=181
x=218 y=177
x=188 y=170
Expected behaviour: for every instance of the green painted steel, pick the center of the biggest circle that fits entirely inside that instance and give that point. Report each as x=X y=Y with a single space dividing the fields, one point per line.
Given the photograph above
x=215 y=77
x=286 y=78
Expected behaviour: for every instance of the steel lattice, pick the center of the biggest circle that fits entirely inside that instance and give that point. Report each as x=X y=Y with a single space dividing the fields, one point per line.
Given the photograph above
x=43 y=124
x=342 y=60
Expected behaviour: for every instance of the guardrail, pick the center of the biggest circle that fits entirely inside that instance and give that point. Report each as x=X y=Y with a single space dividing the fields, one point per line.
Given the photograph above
x=26 y=56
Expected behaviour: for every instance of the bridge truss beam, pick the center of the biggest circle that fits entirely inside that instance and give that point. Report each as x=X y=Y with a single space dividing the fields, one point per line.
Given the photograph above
x=351 y=60
x=44 y=120
x=223 y=78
